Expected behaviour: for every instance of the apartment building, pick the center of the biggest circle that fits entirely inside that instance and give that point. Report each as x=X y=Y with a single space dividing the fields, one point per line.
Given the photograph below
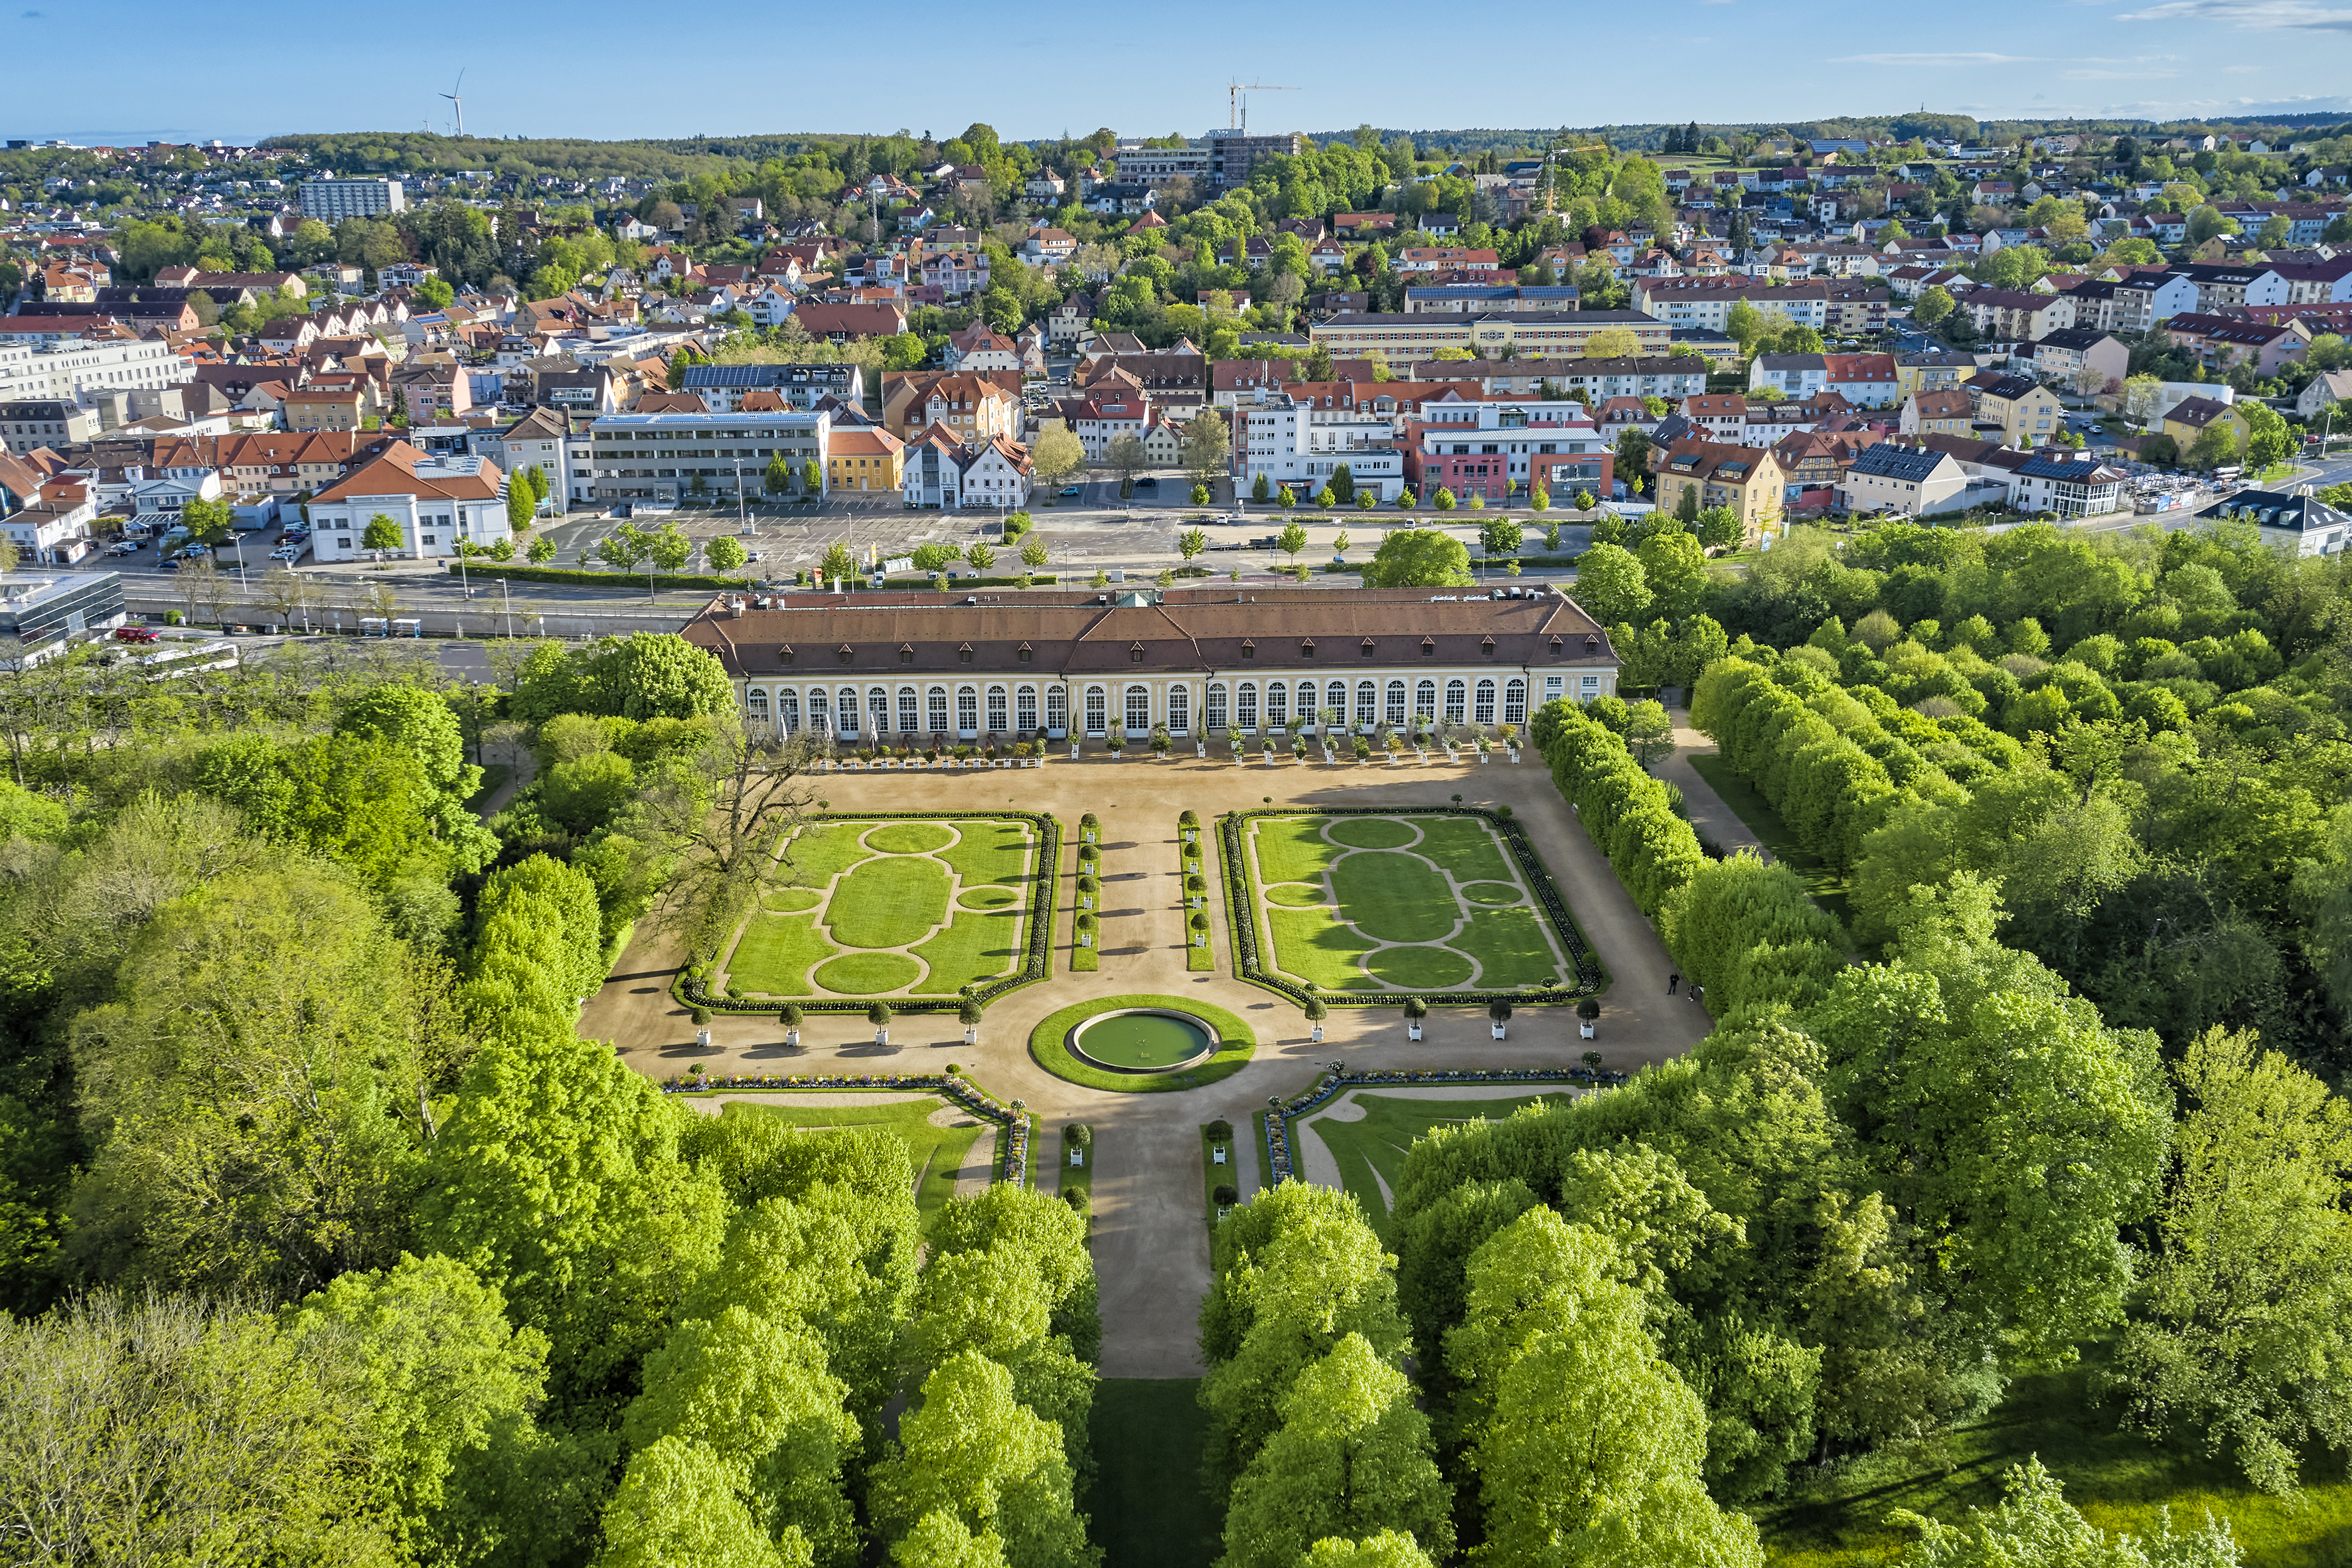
x=1543 y=335
x=657 y=458
x=331 y=200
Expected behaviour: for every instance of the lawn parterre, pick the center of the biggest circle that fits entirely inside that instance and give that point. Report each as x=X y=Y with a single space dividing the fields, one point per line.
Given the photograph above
x=1370 y=1152
x=910 y=907
x=1365 y=905
x=937 y=1154
x=1049 y=1043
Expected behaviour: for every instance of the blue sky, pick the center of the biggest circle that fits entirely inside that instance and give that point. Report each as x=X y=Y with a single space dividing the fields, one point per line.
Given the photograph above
x=139 y=68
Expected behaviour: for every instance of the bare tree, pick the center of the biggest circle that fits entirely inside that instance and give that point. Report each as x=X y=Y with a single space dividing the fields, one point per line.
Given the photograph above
x=291 y=594
x=725 y=818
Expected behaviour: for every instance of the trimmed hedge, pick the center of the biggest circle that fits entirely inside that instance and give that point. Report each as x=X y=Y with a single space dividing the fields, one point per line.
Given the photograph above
x=575 y=577
x=1241 y=923
x=693 y=991
x=1628 y=813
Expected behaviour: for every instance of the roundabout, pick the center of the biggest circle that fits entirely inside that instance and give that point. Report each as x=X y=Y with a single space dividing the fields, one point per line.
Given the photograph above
x=1139 y=1045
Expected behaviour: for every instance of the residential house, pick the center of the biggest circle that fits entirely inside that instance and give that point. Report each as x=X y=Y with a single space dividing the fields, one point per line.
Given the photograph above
x=2325 y=389
x=2223 y=286
x=1950 y=413
x=972 y=407
x=839 y=323
x=2011 y=314
x=323 y=409
x=1553 y=335
x=1931 y=370
x=976 y=347
x=997 y=474
x=436 y=501
x=1908 y=481
x=1670 y=376
x=1863 y=380
x=2221 y=341
x=1814 y=462
x=2189 y=419
x=861 y=459
x=1748 y=479
x=2083 y=358
x=2299 y=524
x=1722 y=417
x=2067 y=484
x=1446 y=258
x=1099 y=422
x=800 y=387
x=1794 y=375
x=2027 y=412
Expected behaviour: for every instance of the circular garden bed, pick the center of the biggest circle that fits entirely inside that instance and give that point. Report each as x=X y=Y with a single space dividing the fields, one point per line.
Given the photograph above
x=1052 y=1042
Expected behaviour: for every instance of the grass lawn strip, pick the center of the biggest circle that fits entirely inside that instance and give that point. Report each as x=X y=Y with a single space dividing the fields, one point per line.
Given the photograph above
x=934 y=1153
x=822 y=851
x=1494 y=893
x=1316 y=945
x=775 y=953
x=1372 y=832
x=909 y=837
x=1421 y=968
x=993 y=851
x=1747 y=804
x=1391 y=896
x=1147 y=1508
x=985 y=898
x=1048 y=1043
x=1291 y=849
x=1370 y=1152
x=889 y=902
x=1297 y=895
x=1513 y=947
x=791 y=900
x=976 y=947
x=868 y=973
x=2118 y=1480
x=1467 y=848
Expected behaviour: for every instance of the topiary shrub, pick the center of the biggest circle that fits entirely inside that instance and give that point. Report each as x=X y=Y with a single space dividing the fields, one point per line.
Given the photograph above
x=1221 y=1130
x=878 y=1013
x=1225 y=1196
x=1079 y=1135
x=702 y=1018
x=1414 y=1007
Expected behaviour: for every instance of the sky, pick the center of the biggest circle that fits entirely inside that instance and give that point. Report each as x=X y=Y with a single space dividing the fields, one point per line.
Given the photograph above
x=597 y=69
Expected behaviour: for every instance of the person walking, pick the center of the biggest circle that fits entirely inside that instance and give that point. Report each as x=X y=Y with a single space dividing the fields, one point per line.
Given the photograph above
x=1672 y=981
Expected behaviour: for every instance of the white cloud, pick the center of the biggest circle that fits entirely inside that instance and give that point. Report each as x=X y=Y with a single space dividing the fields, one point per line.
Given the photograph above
x=2101 y=75
x=1930 y=60
x=2263 y=14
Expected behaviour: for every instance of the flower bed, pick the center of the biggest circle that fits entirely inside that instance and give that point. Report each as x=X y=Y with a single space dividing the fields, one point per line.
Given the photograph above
x=1277 y=1119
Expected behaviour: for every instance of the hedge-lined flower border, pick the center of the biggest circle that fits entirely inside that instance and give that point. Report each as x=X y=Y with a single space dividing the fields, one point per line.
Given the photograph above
x=1279 y=1118
x=696 y=993
x=1240 y=910
x=1012 y=1162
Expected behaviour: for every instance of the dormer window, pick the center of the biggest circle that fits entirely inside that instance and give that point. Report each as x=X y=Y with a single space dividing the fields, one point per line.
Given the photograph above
x=1024 y=653
x=1307 y=648
x=1556 y=648
x=785 y=653
x=844 y=653
x=1592 y=643
x=1249 y=649
x=963 y=653
x=1487 y=647
x=905 y=653
x=1364 y=649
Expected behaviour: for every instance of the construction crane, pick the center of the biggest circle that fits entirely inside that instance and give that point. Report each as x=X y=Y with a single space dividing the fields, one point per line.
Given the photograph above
x=1236 y=105
x=453 y=98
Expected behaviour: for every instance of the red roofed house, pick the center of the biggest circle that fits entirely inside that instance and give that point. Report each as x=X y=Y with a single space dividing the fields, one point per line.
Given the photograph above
x=433 y=501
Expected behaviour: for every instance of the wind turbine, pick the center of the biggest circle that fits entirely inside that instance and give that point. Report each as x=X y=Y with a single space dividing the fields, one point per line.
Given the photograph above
x=452 y=96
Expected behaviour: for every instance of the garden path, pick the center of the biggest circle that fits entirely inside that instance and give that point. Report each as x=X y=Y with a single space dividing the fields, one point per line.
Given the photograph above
x=1708 y=814
x=1151 y=1251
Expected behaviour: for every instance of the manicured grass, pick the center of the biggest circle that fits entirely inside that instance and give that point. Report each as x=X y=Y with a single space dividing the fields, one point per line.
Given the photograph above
x=1292 y=848
x=867 y=974
x=1826 y=887
x=1390 y=1125
x=992 y=850
x=1465 y=847
x=1077 y=1178
x=1297 y=895
x=1512 y=949
x=934 y=1153
x=823 y=850
x=775 y=953
x=985 y=898
x=790 y=901
x=1200 y=959
x=1147 y=1508
x=2119 y=1480
x=1371 y=832
x=1421 y=968
x=1048 y=1044
x=1312 y=944
x=1494 y=893
x=889 y=902
x=976 y=947
x=909 y=837
x=1394 y=896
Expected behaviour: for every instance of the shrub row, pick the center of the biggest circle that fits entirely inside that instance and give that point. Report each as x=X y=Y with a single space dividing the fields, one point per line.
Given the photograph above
x=576 y=577
x=694 y=991
x=1744 y=929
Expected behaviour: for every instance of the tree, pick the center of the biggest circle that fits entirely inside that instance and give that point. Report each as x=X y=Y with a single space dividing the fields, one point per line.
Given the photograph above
x=541 y=551
x=1033 y=551
x=1444 y=500
x=725 y=553
x=1206 y=446
x=811 y=478
x=2245 y=1341
x=1745 y=323
x=2216 y=445
x=1126 y=457
x=520 y=503
x=1419 y=558
x=676 y=1505
x=624 y=547
x=1673 y=568
x=779 y=476
x=1284 y=498
x=2268 y=439
x=1351 y=1458
x=1500 y=536
x=1649 y=733
x=1718 y=527
x=1612 y=584
x=975 y=1459
x=1191 y=543
x=1612 y=343
x=2035 y=1527
x=981 y=556
x=381 y=533
x=1935 y=303
x=1343 y=483
x=1056 y=455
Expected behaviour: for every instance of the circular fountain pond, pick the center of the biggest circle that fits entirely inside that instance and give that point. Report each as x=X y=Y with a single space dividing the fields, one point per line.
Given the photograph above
x=1143 y=1039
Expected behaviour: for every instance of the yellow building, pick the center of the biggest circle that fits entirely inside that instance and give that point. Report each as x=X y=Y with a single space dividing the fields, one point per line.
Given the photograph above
x=1931 y=371
x=2027 y=413
x=1748 y=479
x=2187 y=420
x=858 y=458
x=323 y=410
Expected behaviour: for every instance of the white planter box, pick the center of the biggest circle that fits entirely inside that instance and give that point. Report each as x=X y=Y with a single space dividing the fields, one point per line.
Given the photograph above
x=1584 y=1030
x=1497 y=1029
x=1412 y=1030
x=1485 y=757
x=882 y=1036
x=1200 y=939
x=1086 y=939
x=702 y=1039
x=971 y=1033
x=1200 y=748
x=792 y=1039
x=1315 y=1036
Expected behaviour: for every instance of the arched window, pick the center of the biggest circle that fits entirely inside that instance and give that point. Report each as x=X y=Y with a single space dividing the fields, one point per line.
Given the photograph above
x=844 y=711
x=1396 y=704
x=1180 y=709
x=1335 y=698
x=757 y=706
x=1138 y=710
x=1424 y=700
x=788 y=711
x=877 y=703
x=967 y=710
x=1024 y=708
x=819 y=716
x=1245 y=709
x=935 y=708
x=1278 y=704
x=1057 y=709
x=911 y=718
x=1456 y=696
x=996 y=715
x=1484 y=711
x=1216 y=717
x=1098 y=711
x=1367 y=705
x=1515 y=701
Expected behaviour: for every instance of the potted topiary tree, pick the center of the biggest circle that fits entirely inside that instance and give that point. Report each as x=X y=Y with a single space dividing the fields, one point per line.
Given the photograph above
x=1089 y=827
x=1086 y=930
x=1200 y=927
x=1592 y=1063
x=879 y=1016
x=969 y=1016
x=1315 y=1014
x=1196 y=887
x=789 y=1018
x=1501 y=1014
x=1586 y=1012
x=1415 y=1010
x=1086 y=888
x=702 y=1028
x=1078 y=1138
x=1188 y=826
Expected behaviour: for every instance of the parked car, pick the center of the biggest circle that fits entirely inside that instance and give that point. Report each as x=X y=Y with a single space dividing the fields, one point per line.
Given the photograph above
x=1067 y=490
x=136 y=634
x=1147 y=483
x=123 y=547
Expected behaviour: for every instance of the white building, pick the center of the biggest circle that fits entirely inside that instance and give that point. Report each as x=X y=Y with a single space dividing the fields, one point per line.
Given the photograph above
x=331 y=200
x=434 y=502
x=656 y=458
x=81 y=369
